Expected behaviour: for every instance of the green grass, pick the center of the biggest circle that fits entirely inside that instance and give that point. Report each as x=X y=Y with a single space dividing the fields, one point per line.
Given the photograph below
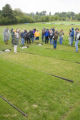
x=25 y=83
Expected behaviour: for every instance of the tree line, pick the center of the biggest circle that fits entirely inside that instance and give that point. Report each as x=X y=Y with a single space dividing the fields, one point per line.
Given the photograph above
x=9 y=16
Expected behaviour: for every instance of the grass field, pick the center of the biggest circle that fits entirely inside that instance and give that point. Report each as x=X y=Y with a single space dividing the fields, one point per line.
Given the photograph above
x=26 y=83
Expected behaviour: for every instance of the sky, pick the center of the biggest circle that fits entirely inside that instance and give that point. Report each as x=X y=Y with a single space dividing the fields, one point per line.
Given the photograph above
x=52 y=6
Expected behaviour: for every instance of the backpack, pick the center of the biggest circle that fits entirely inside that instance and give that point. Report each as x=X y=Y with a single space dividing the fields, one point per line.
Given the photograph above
x=78 y=36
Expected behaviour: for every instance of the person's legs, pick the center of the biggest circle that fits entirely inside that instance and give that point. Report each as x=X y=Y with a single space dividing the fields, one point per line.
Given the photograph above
x=12 y=41
x=15 y=48
x=6 y=42
x=60 y=40
x=32 y=39
x=69 y=40
x=42 y=38
x=50 y=40
x=55 y=44
x=72 y=41
x=29 y=40
x=45 y=39
x=38 y=38
x=76 y=45
x=22 y=41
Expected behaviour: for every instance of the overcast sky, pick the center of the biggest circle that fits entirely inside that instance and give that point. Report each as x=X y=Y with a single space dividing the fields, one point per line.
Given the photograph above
x=40 y=5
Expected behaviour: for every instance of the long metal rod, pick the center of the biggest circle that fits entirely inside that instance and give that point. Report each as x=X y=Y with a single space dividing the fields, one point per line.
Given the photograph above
x=61 y=78
x=16 y=108
x=66 y=79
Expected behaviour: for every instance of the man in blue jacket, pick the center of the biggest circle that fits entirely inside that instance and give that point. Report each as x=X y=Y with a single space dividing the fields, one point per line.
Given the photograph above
x=47 y=36
x=71 y=36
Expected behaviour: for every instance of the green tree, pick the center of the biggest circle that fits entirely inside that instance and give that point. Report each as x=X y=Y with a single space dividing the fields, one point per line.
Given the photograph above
x=7 y=14
x=7 y=11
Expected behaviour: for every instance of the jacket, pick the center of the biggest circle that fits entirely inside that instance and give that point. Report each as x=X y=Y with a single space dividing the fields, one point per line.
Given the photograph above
x=36 y=34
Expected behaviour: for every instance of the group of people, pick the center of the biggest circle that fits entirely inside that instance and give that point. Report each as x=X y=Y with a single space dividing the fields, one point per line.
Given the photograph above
x=51 y=35
x=74 y=35
x=24 y=35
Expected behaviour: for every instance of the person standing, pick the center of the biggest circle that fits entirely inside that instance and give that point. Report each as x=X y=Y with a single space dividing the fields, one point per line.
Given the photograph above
x=61 y=33
x=6 y=35
x=47 y=34
x=27 y=38
x=32 y=36
x=37 y=34
x=55 y=38
x=15 y=40
x=22 y=38
x=77 y=39
x=43 y=34
x=34 y=30
x=17 y=35
x=71 y=36
x=51 y=36
x=12 y=36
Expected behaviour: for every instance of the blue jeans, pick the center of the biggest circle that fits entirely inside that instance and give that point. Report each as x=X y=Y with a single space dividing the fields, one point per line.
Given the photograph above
x=55 y=43
x=60 y=40
x=32 y=39
x=71 y=40
x=51 y=41
x=22 y=41
x=76 y=45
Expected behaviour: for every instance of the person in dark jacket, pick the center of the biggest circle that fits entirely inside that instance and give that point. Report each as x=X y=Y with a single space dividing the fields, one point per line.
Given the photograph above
x=25 y=33
x=15 y=40
x=43 y=34
x=34 y=30
x=47 y=34
x=55 y=38
x=32 y=36
x=12 y=35
x=27 y=38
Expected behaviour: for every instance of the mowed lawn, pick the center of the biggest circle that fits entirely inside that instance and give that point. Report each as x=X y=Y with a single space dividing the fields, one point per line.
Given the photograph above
x=26 y=83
